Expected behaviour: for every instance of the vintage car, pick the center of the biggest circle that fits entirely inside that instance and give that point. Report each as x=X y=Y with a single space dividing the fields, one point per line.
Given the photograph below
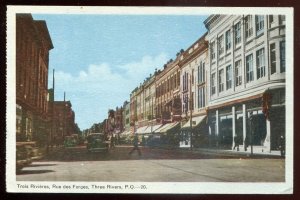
x=69 y=141
x=34 y=152
x=23 y=157
x=96 y=142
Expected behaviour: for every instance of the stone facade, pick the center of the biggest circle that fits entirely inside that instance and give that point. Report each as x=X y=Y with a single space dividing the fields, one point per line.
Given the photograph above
x=246 y=80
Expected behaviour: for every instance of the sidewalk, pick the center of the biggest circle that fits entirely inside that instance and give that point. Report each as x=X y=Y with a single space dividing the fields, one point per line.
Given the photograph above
x=257 y=152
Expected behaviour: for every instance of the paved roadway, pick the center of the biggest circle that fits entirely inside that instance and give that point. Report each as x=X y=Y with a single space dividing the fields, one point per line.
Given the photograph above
x=154 y=165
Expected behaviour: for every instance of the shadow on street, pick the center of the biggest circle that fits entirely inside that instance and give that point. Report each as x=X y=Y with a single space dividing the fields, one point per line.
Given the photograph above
x=25 y=171
x=122 y=153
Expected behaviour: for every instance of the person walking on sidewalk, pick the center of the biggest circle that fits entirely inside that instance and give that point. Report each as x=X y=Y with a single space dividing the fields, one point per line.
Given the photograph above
x=135 y=145
x=236 y=143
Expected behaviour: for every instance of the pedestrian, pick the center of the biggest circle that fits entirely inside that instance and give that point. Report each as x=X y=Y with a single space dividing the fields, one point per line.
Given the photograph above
x=246 y=143
x=112 y=142
x=236 y=143
x=282 y=145
x=135 y=145
x=143 y=141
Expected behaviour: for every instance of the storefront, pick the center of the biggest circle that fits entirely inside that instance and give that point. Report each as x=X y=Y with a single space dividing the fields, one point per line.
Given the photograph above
x=257 y=121
x=194 y=133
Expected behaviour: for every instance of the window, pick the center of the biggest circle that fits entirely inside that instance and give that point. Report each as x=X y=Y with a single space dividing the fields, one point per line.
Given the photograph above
x=282 y=56
x=192 y=76
x=281 y=19
x=238 y=73
x=221 y=45
x=185 y=103
x=237 y=33
x=259 y=24
x=201 y=97
x=221 y=80
x=212 y=49
x=271 y=20
x=248 y=26
x=201 y=72
x=228 y=40
x=185 y=81
x=249 y=68
x=228 y=77
x=213 y=83
x=273 y=58
x=260 y=63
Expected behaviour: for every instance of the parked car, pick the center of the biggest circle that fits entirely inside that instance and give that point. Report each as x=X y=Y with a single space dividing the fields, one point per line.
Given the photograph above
x=34 y=152
x=23 y=157
x=96 y=142
x=69 y=141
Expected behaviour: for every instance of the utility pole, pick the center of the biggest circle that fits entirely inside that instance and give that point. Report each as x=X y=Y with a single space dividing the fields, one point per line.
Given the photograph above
x=191 y=119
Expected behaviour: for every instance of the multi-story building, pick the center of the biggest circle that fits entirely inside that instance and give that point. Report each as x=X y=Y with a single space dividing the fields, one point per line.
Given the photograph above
x=63 y=120
x=168 y=102
x=193 y=92
x=33 y=44
x=119 y=126
x=126 y=116
x=246 y=80
x=149 y=101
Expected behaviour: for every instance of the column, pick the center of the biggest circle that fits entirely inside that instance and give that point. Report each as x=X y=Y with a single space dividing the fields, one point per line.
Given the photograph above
x=244 y=124
x=233 y=126
x=267 y=142
x=217 y=127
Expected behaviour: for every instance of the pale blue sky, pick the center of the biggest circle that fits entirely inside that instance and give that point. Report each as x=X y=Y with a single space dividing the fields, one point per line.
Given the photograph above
x=100 y=59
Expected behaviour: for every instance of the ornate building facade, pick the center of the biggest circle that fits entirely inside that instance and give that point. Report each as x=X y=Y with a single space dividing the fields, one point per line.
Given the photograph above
x=246 y=80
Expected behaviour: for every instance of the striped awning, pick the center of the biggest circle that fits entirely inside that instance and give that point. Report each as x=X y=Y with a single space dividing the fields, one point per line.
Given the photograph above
x=153 y=128
x=195 y=122
x=169 y=127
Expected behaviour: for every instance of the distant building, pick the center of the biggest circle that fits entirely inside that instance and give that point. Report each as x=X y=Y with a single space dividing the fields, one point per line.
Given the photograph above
x=126 y=116
x=246 y=80
x=168 y=102
x=33 y=44
x=63 y=120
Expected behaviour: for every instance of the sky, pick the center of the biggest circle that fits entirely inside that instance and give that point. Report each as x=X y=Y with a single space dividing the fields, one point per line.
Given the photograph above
x=100 y=59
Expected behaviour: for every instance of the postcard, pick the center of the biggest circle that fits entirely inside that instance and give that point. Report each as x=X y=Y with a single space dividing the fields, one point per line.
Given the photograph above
x=164 y=100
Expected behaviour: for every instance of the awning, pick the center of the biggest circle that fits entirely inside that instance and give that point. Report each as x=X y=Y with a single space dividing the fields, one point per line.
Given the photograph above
x=160 y=128
x=141 y=130
x=169 y=127
x=195 y=122
x=153 y=128
x=126 y=133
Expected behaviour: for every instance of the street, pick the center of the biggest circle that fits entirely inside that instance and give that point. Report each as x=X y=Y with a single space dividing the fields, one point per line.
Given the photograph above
x=154 y=165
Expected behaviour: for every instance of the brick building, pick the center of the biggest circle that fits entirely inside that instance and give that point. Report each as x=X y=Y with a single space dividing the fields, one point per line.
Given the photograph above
x=33 y=44
x=63 y=120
